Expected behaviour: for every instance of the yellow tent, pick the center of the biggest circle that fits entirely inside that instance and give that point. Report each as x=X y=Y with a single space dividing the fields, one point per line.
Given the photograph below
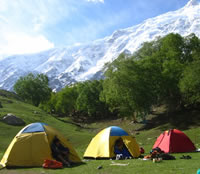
x=102 y=145
x=31 y=146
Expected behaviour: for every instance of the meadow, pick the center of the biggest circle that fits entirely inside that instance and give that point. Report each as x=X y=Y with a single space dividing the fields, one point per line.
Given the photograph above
x=81 y=134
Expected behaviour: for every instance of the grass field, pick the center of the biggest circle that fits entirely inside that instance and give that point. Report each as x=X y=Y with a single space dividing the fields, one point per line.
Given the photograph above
x=81 y=136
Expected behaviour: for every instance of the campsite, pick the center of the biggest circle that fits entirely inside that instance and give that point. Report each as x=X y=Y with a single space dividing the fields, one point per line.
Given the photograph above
x=100 y=87
x=81 y=135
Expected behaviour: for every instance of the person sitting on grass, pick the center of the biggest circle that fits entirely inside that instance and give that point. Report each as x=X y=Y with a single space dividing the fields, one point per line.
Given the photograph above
x=121 y=149
x=60 y=153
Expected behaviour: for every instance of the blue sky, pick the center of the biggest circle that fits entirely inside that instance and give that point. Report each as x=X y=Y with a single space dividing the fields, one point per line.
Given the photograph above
x=28 y=26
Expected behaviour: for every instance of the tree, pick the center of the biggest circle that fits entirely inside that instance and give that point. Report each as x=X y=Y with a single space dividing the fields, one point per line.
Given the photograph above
x=190 y=84
x=49 y=105
x=127 y=87
x=65 y=100
x=192 y=48
x=169 y=57
x=88 y=101
x=33 y=88
x=151 y=75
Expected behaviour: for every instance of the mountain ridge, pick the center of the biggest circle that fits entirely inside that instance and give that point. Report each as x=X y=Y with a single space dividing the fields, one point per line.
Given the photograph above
x=81 y=62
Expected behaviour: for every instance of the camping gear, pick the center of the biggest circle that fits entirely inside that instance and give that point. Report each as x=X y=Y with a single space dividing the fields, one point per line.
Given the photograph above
x=158 y=154
x=157 y=160
x=156 y=150
x=52 y=164
x=142 y=150
x=31 y=146
x=102 y=145
x=186 y=157
x=119 y=157
x=166 y=156
x=174 y=141
x=99 y=167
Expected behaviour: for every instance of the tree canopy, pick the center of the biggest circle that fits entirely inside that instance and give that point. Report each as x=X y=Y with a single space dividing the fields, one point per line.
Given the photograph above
x=33 y=88
x=153 y=75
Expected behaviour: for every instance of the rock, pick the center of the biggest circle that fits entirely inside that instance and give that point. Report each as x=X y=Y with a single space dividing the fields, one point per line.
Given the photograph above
x=13 y=120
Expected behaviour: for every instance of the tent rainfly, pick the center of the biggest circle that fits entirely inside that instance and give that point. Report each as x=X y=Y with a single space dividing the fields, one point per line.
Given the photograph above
x=102 y=145
x=174 y=141
x=31 y=146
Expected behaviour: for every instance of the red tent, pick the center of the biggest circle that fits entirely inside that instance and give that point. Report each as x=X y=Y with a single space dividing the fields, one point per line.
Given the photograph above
x=174 y=141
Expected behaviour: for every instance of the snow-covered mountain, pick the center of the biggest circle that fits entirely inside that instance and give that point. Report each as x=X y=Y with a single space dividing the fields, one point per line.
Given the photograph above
x=85 y=61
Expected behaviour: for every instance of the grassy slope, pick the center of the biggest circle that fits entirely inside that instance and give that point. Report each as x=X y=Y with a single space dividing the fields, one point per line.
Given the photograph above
x=81 y=137
x=32 y=114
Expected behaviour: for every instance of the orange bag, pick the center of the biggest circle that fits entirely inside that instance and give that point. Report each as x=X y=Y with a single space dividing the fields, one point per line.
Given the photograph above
x=52 y=164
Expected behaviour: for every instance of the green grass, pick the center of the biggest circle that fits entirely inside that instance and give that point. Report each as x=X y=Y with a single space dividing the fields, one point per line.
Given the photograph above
x=136 y=166
x=80 y=137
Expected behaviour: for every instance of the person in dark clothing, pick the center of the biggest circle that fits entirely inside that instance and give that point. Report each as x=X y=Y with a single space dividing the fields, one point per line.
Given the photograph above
x=121 y=149
x=59 y=152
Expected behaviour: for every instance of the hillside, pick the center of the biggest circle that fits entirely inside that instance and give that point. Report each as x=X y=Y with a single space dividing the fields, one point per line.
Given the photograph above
x=80 y=137
x=32 y=114
x=81 y=62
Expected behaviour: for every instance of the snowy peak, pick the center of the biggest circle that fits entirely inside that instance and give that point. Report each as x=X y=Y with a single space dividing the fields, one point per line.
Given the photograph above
x=192 y=3
x=68 y=65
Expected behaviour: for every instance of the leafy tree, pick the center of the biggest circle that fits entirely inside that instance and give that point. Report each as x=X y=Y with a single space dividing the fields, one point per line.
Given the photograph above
x=192 y=48
x=180 y=53
x=169 y=60
x=88 y=102
x=151 y=75
x=127 y=87
x=190 y=84
x=65 y=100
x=33 y=88
x=49 y=105
x=79 y=101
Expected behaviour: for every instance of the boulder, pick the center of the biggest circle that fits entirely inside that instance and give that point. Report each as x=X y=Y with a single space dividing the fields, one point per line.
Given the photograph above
x=13 y=120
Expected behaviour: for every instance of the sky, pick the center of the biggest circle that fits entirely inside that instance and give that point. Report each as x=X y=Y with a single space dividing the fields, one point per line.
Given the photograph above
x=29 y=26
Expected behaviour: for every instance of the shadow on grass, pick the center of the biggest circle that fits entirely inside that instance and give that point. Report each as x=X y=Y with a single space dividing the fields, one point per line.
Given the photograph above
x=180 y=120
x=79 y=126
